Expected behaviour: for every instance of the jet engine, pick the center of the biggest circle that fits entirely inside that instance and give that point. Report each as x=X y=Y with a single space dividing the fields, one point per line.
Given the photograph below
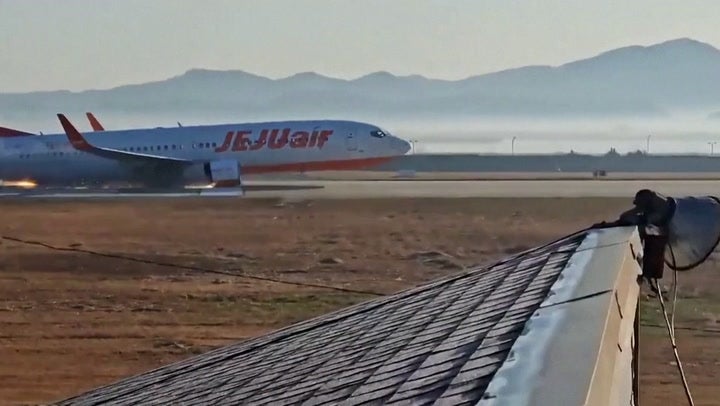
x=223 y=173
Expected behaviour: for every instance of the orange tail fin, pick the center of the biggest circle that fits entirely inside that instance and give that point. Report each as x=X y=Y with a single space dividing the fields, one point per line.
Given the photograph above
x=96 y=126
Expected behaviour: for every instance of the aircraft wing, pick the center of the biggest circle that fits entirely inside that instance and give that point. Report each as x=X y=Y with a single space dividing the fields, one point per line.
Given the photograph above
x=81 y=144
x=94 y=123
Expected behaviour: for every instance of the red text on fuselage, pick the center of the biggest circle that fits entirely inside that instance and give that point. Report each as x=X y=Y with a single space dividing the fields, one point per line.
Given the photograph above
x=274 y=139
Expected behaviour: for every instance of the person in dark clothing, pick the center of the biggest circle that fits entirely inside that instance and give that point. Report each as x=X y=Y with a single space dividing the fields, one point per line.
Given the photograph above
x=690 y=224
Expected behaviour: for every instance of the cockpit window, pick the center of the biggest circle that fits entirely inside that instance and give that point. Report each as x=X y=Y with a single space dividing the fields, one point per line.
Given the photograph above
x=378 y=133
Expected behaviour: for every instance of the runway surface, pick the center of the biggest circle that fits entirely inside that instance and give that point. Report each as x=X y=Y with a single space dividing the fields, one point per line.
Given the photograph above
x=423 y=189
x=520 y=188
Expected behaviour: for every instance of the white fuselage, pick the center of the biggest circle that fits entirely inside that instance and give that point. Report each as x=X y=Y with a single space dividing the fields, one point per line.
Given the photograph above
x=293 y=146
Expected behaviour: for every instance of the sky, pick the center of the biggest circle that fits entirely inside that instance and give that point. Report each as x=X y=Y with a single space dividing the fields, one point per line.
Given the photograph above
x=84 y=44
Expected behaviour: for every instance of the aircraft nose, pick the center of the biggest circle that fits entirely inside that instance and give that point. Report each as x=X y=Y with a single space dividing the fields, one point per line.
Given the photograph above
x=401 y=145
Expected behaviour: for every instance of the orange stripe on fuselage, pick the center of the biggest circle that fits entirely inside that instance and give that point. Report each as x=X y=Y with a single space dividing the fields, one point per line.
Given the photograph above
x=337 y=165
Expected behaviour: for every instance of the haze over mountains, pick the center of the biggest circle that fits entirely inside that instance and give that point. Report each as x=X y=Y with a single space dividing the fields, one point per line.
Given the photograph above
x=654 y=82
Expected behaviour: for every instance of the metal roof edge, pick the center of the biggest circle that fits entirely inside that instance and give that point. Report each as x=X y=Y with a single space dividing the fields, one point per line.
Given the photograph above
x=577 y=347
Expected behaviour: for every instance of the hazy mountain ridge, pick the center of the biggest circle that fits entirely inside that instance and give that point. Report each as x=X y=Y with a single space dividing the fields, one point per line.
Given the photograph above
x=648 y=81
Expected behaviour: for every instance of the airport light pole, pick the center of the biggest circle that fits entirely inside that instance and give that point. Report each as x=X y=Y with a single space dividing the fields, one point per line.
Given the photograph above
x=647 y=144
x=712 y=147
x=512 y=145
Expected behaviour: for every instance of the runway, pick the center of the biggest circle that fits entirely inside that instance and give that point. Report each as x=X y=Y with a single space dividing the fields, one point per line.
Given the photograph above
x=499 y=188
x=358 y=189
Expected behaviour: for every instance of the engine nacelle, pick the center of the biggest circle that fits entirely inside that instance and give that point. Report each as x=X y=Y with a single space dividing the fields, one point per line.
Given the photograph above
x=223 y=173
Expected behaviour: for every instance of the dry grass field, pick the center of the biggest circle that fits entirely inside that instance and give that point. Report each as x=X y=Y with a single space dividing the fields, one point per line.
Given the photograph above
x=71 y=320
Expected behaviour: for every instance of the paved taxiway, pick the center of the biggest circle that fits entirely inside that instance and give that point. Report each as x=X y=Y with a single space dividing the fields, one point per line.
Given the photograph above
x=323 y=189
x=459 y=189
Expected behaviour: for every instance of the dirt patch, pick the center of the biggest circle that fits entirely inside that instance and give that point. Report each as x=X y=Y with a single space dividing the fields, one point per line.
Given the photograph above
x=71 y=320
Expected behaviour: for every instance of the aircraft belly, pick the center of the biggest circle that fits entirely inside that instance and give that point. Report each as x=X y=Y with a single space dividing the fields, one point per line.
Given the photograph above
x=75 y=171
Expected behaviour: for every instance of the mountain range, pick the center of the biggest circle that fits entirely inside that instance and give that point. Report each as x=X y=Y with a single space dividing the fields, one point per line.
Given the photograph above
x=653 y=81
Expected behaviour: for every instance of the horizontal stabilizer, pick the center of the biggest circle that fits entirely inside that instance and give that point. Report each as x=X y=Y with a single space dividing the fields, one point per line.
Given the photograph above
x=9 y=132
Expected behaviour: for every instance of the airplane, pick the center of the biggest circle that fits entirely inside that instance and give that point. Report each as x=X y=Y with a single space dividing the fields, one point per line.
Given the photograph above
x=206 y=154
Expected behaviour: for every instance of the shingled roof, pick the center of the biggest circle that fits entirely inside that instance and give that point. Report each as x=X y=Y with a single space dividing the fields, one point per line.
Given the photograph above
x=459 y=340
